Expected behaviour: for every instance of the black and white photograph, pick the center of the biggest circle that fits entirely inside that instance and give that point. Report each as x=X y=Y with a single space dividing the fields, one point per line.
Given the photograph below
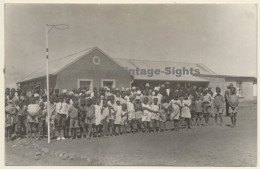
x=130 y=84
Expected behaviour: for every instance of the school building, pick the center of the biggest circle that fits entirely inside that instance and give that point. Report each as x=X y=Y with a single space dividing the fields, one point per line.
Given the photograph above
x=94 y=68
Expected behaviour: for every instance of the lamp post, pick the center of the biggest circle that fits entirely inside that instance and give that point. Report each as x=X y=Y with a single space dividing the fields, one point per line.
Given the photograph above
x=59 y=27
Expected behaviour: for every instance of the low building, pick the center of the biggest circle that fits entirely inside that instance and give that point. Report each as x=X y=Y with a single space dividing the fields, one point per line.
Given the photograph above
x=93 y=68
x=246 y=86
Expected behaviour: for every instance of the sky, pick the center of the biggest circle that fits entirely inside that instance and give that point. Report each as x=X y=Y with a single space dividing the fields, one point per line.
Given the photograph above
x=222 y=37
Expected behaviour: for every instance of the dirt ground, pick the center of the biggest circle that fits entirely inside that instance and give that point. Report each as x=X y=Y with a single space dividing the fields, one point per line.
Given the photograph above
x=211 y=145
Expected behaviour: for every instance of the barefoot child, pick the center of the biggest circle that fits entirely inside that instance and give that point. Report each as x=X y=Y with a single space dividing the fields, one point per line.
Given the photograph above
x=118 y=117
x=124 y=118
x=53 y=117
x=113 y=109
x=90 y=117
x=199 y=109
x=155 y=114
x=233 y=102
x=218 y=105
x=105 y=111
x=192 y=108
x=22 y=114
x=67 y=127
x=98 y=124
x=73 y=111
x=42 y=120
x=131 y=113
x=175 y=111
x=147 y=114
x=185 y=111
x=138 y=112
x=9 y=110
x=32 y=119
x=82 y=117
x=207 y=101
x=62 y=114
x=163 y=113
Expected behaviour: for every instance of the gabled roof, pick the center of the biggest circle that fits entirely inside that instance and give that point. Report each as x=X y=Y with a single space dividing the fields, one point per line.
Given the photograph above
x=161 y=65
x=59 y=64
x=231 y=76
x=154 y=64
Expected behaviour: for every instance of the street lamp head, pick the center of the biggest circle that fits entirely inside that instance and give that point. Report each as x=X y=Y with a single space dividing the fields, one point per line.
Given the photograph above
x=58 y=26
x=61 y=26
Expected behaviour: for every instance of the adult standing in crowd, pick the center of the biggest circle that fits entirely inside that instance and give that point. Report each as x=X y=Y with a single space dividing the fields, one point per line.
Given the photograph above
x=168 y=91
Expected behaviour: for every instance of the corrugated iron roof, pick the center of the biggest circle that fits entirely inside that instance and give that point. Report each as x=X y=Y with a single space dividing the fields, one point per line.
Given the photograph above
x=57 y=65
x=161 y=65
x=163 y=77
x=152 y=64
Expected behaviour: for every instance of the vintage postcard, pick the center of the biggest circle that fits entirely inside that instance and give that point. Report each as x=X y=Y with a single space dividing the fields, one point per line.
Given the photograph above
x=130 y=84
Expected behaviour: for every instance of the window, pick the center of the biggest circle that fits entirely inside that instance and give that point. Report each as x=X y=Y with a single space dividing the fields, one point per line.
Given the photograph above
x=239 y=88
x=108 y=83
x=96 y=60
x=85 y=83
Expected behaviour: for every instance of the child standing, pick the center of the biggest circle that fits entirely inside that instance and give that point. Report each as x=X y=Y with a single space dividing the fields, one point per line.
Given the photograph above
x=185 y=111
x=233 y=102
x=22 y=114
x=82 y=117
x=175 y=111
x=113 y=109
x=192 y=108
x=98 y=124
x=32 y=119
x=67 y=126
x=73 y=111
x=42 y=120
x=207 y=101
x=105 y=111
x=218 y=105
x=53 y=116
x=138 y=112
x=147 y=114
x=199 y=109
x=163 y=113
x=131 y=113
x=90 y=117
x=118 y=117
x=9 y=110
x=62 y=114
x=155 y=116
x=124 y=118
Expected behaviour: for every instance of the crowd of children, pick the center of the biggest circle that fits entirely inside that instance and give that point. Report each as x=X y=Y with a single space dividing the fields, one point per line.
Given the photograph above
x=112 y=111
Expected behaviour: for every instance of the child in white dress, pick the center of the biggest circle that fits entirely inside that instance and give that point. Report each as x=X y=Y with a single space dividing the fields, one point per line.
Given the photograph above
x=118 y=118
x=155 y=114
x=163 y=114
x=124 y=115
x=98 y=116
x=105 y=111
x=131 y=113
x=207 y=102
x=147 y=114
x=175 y=111
x=185 y=111
x=138 y=113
